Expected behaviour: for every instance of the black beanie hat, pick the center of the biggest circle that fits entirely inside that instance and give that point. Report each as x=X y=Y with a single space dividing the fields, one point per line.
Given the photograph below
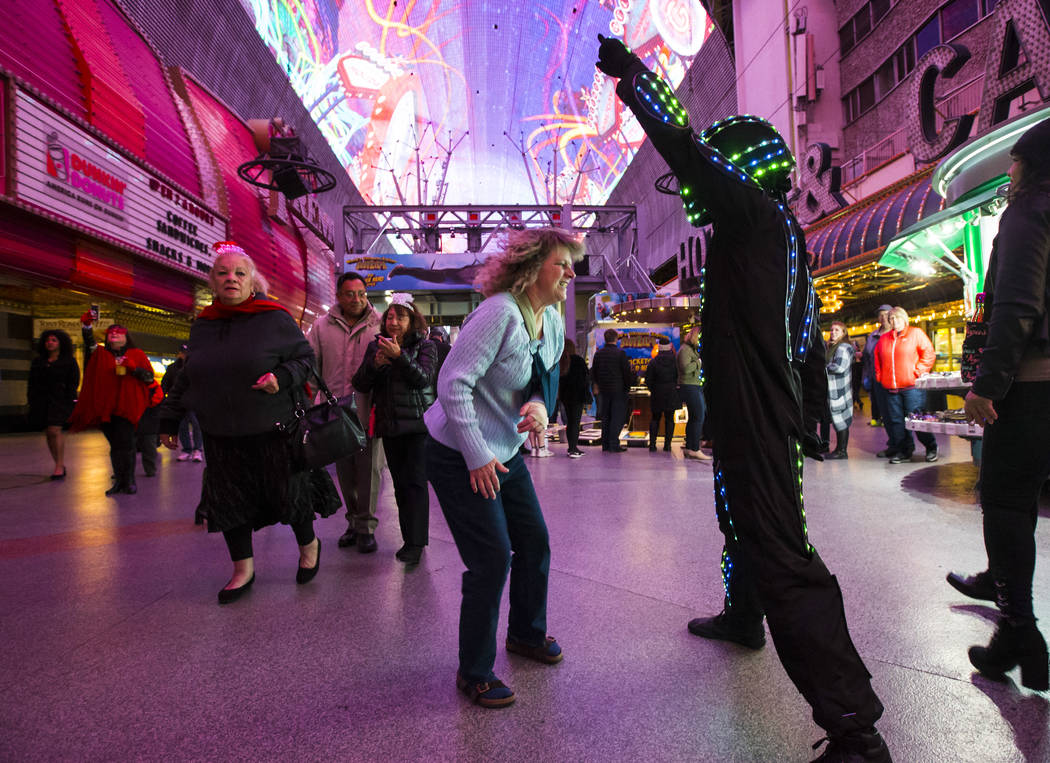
x=1034 y=146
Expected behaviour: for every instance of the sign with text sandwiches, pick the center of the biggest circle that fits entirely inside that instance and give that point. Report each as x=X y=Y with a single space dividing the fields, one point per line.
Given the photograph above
x=65 y=172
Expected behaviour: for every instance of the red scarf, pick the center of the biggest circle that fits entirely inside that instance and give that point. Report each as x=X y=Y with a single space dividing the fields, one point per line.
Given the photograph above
x=218 y=311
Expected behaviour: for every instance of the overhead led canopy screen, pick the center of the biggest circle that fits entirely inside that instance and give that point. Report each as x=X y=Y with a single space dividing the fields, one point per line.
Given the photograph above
x=475 y=101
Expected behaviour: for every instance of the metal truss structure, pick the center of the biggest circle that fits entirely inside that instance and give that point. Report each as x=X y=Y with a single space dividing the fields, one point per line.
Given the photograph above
x=611 y=233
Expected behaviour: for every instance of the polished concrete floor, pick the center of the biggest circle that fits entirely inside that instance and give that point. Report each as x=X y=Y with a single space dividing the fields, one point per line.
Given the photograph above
x=114 y=647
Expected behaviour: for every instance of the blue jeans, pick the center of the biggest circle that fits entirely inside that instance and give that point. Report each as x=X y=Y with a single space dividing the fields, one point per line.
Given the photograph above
x=693 y=397
x=487 y=532
x=898 y=405
x=190 y=443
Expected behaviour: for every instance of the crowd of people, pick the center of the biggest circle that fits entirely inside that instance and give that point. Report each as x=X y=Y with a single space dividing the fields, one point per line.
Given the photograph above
x=457 y=415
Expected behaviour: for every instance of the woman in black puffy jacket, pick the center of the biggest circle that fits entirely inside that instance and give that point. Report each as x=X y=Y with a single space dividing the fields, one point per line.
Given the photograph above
x=400 y=370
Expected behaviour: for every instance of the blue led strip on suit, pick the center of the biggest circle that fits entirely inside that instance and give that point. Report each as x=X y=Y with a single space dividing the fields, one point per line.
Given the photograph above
x=725 y=520
x=659 y=101
x=791 y=241
x=727 y=573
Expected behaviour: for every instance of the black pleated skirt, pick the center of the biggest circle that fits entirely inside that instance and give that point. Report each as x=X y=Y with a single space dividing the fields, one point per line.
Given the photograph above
x=248 y=480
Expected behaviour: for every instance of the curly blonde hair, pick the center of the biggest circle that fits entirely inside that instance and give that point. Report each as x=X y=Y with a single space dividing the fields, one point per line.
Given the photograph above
x=525 y=251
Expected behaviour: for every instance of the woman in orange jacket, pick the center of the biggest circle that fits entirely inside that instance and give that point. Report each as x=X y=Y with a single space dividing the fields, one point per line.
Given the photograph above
x=902 y=355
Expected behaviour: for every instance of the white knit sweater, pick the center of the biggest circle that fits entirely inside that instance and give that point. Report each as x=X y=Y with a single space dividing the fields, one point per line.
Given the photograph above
x=482 y=383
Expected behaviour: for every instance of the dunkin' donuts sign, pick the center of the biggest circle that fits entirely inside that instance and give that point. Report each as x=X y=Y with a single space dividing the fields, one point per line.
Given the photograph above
x=65 y=171
x=82 y=175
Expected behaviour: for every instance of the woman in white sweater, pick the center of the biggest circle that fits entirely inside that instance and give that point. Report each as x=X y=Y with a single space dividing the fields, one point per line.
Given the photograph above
x=497 y=384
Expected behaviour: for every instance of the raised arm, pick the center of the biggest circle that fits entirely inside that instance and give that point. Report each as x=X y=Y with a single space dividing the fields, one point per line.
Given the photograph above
x=707 y=179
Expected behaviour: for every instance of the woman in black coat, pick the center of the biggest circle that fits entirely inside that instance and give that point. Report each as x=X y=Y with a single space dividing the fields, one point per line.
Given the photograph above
x=1010 y=398
x=574 y=391
x=246 y=371
x=53 y=380
x=661 y=377
x=400 y=370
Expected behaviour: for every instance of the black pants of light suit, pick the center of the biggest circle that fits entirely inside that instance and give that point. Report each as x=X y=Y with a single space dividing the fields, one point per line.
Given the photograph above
x=406 y=459
x=768 y=564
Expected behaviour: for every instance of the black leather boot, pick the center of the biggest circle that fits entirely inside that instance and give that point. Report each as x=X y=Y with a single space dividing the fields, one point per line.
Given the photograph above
x=1015 y=643
x=979 y=586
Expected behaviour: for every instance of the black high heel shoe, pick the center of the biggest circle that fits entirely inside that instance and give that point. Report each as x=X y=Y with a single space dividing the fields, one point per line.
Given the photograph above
x=1012 y=646
x=306 y=574
x=227 y=595
x=62 y=476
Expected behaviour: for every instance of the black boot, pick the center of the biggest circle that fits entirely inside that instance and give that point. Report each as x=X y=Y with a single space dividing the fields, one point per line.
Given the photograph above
x=1015 y=643
x=979 y=586
x=841 y=441
x=854 y=747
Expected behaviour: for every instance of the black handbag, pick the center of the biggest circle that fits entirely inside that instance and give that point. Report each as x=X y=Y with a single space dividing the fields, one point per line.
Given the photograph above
x=323 y=433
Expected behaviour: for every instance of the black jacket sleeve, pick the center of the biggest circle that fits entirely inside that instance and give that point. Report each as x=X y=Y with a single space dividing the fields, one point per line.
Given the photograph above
x=420 y=371
x=365 y=376
x=1018 y=284
x=630 y=378
x=297 y=360
x=171 y=410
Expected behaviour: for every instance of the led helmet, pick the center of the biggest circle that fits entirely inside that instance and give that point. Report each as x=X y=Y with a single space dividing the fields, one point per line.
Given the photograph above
x=751 y=149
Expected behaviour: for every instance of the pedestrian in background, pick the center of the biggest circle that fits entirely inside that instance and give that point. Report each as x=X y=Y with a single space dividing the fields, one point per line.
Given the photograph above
x=840 y=354
x=339 y=341
x=574 y=391
x=114 y=396
x=398 y=371
x=661 y=378
x=876 y=393
x=904 y=353
x=692 y=393
x=53 y=380
x=612 y=374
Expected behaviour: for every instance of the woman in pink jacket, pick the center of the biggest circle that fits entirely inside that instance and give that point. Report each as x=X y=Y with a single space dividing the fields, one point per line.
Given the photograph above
x=902 y=355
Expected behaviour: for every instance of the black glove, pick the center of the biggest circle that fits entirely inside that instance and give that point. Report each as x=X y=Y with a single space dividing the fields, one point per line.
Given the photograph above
x=613 y=56
x=144 y=375
x=813 y=446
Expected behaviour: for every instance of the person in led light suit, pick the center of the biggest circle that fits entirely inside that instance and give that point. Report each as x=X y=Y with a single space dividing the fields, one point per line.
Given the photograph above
x=766 y=386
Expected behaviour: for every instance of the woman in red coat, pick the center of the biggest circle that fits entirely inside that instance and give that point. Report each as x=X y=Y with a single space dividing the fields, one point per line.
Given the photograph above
x=902 y=355
x=113 y=397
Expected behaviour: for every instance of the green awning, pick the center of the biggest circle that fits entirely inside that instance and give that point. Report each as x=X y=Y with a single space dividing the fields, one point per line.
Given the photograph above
x=930 y=243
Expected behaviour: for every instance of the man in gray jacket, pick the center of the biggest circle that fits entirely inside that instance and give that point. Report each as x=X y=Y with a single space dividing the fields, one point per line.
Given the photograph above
x=340 y=339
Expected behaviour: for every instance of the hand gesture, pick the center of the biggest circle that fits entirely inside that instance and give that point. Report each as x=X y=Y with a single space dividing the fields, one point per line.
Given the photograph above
x=613 y=56
x=533 y=417
x=267 y=383
x=389 y=347
x=484 y=479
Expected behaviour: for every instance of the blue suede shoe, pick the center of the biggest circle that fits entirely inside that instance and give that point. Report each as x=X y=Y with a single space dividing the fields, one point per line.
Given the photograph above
x=491 y=694
x=549 y=652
